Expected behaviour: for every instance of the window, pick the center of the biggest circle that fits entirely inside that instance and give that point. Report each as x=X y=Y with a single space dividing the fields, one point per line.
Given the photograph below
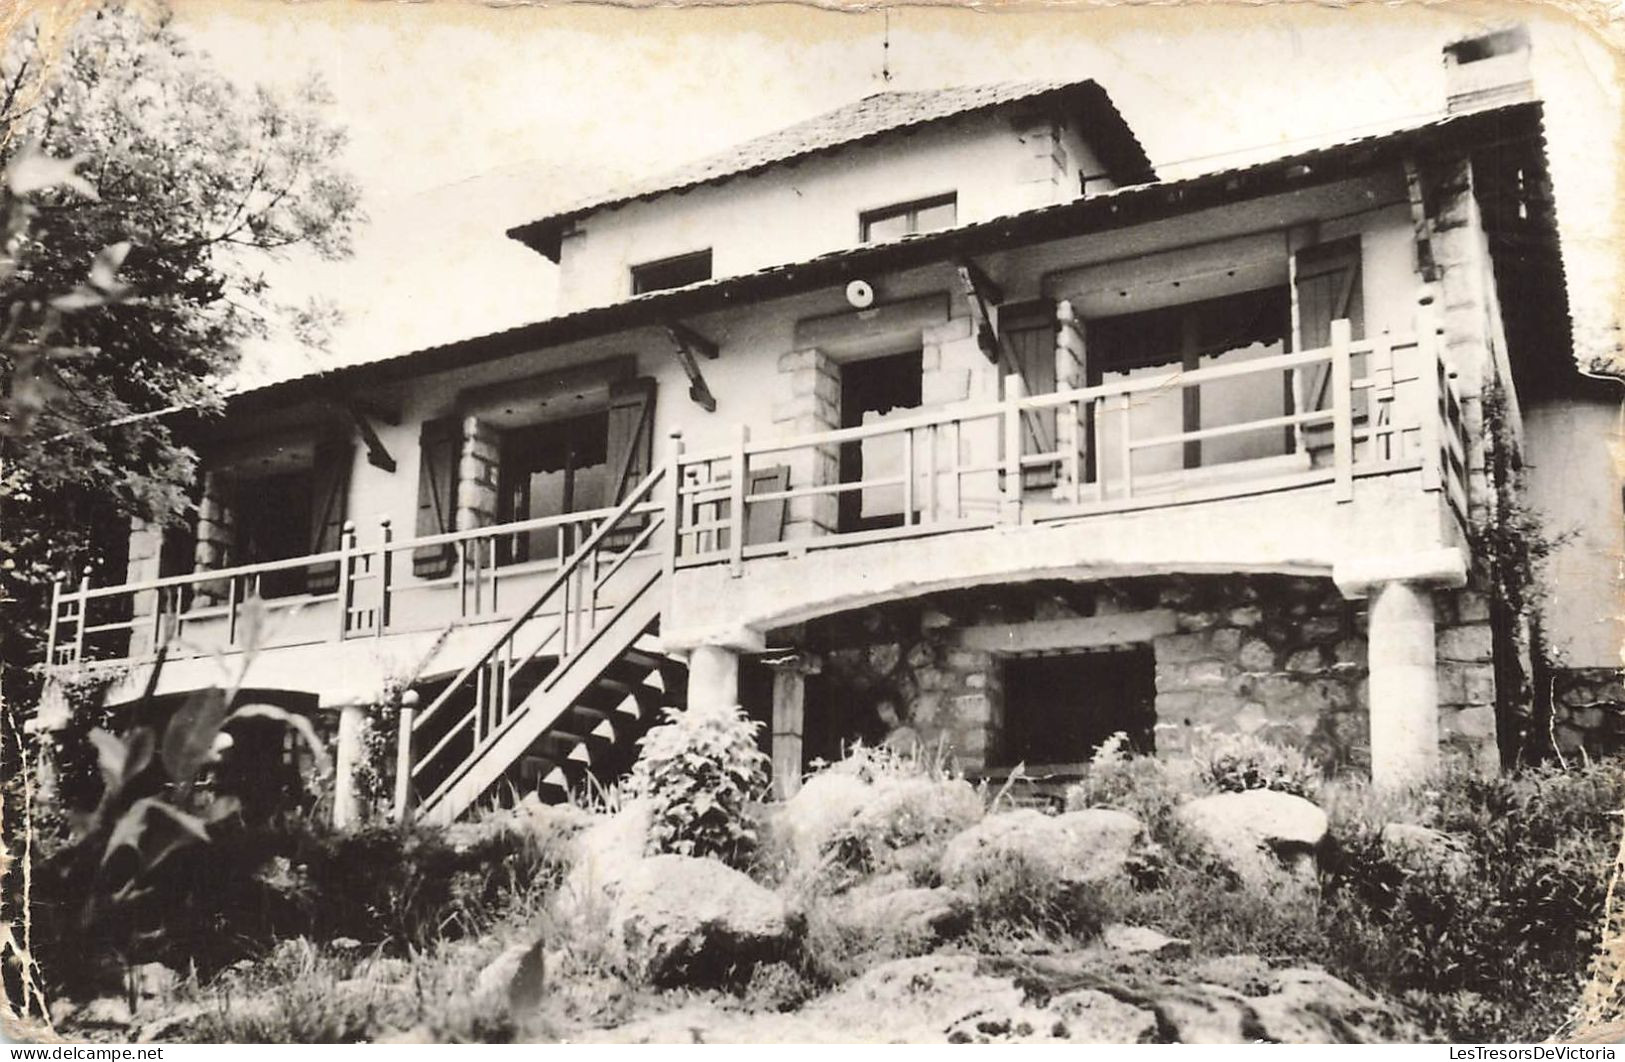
x=550 y=469
x=671 y=272
x=1059 y=709
x=904 y=219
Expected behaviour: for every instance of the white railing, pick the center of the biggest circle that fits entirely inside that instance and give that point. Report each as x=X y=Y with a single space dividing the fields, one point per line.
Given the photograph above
x=1368 y=407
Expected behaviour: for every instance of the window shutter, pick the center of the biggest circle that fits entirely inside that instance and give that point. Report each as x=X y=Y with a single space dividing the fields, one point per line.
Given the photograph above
x=329 y=506
x=1028 y=333
x=440 y=448
x=631 y=434
x=1329 y=288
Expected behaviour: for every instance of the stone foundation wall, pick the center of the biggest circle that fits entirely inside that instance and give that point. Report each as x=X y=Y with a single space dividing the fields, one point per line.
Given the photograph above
x=1277 y=657
x=1588 y=710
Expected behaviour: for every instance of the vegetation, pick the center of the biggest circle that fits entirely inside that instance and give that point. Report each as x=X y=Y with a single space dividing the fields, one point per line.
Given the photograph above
x=134 y=282
x=699 y=771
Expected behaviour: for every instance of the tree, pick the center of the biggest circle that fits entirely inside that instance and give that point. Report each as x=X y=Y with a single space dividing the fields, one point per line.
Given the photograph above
x=187 y=184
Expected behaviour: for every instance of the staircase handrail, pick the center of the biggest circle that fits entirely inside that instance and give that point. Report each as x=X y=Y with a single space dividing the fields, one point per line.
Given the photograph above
x=565 y=572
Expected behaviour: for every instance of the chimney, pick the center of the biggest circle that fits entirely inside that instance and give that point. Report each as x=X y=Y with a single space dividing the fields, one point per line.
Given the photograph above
x=1488 y=70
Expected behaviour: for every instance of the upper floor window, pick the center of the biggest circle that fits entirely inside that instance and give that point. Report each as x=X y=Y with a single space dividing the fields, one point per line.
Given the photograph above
x=904 y=219
x=671 y=272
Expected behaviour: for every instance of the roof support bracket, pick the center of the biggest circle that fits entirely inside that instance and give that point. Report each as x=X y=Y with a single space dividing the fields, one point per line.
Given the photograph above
x=1421 y=224
x=690 y=346
x=981 y=294
x=378 y=455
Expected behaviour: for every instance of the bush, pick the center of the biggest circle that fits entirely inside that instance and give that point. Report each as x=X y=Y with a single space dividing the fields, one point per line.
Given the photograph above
x=1234 y=763
x=700 y=771
x=1147 y=787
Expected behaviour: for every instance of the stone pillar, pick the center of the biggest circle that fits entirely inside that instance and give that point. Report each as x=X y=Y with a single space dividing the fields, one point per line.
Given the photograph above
x=146 y=545
x=1404 y=684
x=1403 y=665
x=713 y=678
x=347 y=756
x=789 y=712
x=216 y=527
x=477 y=478
x=809 y=401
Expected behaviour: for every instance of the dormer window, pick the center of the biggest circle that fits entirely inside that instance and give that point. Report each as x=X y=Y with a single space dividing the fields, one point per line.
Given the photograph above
x=905 y=219
x=671 y=272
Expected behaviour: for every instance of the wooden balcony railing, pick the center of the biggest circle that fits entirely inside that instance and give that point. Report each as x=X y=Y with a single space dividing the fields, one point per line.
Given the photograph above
x=1363 y=408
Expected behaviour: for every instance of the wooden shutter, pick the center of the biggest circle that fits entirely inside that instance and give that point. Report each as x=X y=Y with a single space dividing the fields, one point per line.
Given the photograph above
x=631 y=434
x=329 y=506
x=440 y=447
x=764 y=520
x=1329 y=289
x=1028 y=334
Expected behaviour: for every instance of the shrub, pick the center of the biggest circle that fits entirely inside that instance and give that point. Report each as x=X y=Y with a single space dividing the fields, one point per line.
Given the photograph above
x=1147 y=787
x=700 y=771
x=1234 y=763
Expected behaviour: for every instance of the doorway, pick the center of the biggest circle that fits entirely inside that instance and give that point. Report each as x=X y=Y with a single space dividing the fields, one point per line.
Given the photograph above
x=874 y=391
x=1060 y=708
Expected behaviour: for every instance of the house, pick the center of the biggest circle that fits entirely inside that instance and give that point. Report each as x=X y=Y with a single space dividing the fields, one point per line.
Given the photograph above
x=937 y=412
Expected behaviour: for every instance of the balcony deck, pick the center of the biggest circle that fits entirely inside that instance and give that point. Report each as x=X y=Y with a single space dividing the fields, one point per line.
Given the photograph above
x=1374 y=467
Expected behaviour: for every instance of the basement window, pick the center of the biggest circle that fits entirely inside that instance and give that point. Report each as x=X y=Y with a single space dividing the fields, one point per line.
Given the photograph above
x=677 y=272
x=906 y=219
x=1060 y=708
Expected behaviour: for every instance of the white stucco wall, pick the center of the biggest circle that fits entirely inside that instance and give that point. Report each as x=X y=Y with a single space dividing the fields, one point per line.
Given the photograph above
x=1575 y=450
x=794 y=212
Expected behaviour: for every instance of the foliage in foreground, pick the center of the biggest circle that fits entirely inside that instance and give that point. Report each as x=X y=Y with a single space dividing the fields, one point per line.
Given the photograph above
x=700 y=770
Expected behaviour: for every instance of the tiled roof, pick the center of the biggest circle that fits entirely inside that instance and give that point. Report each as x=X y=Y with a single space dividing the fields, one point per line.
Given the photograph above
x=870 y=117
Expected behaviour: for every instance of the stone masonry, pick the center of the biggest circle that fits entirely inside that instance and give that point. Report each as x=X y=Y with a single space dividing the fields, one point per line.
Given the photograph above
x=1282 y=658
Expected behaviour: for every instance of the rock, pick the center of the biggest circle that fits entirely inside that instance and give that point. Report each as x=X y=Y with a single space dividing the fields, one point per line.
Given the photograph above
x=1089 y=1016
x=1257 y=832
x=1088 y=847
x=1310 y=1006
x=825 y=804
x=174 y=1019
x=104 y=1010
x=153 y=980
x=1143 y=940
x=607 y=850
x=686 y=921
x=1421 y=849
x=903 y=921
x=1100 y=842
x=491 y=985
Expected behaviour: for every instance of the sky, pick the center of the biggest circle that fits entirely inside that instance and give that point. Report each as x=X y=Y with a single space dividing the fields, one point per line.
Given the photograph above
x=465 y=119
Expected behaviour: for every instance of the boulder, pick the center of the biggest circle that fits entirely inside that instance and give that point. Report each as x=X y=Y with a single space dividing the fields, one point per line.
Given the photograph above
x=1089 y=847
x=893 y=821
x=1143 y=940
x=1306 y=1005
x=607 y=850
x=902 y=921
x=684 y=921
x=826 y=804
x=1257 y=833
x=1421 y=849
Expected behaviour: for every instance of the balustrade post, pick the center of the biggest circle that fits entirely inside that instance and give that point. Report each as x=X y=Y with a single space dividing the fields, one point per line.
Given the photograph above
x=84 y=610
x=403 y=757
x=346 y=756
x=346 y=594
x=736 y=505
x=386 y=536
x=672 y=498
x=1342 y=411
x=1014 y=391
x=56 y=616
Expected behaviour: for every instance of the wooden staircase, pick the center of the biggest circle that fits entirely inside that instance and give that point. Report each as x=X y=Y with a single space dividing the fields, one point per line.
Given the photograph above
x=564 y=691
